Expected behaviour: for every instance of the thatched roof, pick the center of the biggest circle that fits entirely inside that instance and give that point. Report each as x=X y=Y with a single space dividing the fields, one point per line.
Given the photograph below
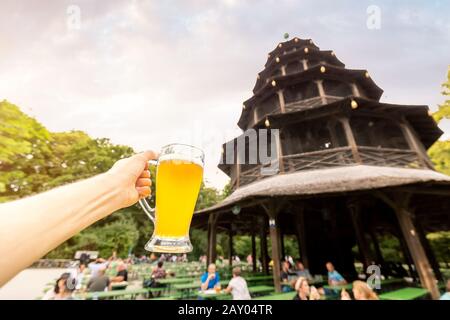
x=330 y=181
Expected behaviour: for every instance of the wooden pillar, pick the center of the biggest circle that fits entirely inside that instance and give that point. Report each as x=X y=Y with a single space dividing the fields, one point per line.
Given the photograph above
x=350 y=139
x=301 y=234
x=421 y=262
x=255 y=116
x=282 y=248
x=212 y=238
x=415 y=144
x=274 y=231
x=230 y=247
x=263 y=246
x=305 y=64
x=254 y=259
x=364 y=249
x=376 y=245
x=428 y=250
x=281 y=100
x=355 y=90
x=409 y=232
x=279 y=152
x=322 y=95
x=274 y=239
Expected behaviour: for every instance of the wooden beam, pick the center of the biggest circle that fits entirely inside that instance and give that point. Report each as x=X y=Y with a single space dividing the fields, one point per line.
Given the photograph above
x=350 y=139
x=376 y=244
x=254 y=259
x=274 y=231
x=281 y=100
x=282 y=248
x=322 y=95
x=263 y=245
x=230 y=247
x=305 y=64
x=415 y=248
x=428 y=250
x=355 y=90
x=212 y=238
x=363 y=247
x=275 y=239
x=301 y=234
x=415 y=144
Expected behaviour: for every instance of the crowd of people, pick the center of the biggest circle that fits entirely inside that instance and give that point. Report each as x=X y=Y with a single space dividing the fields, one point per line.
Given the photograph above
x=72 y=280
x=104 y=274
x=296 y=276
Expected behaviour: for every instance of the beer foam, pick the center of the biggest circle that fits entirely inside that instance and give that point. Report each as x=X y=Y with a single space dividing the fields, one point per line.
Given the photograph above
x=181 y=158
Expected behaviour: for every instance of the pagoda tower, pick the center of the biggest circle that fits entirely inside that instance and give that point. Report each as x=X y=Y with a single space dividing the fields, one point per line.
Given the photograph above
x=350 y=169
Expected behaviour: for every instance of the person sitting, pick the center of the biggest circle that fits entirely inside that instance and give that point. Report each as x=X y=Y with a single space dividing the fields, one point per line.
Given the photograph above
x=362 y=291
x=314 y=293
x=334 y=277
x=64 y=287
x=302 y=289
x=158 y=272
x=238 y=286
x=301 y=271
x=122 y=273
x=446 y=296
x=284 y=276
x=100 y=282
x=210 y=279
x=97 y=265
x=79 y=275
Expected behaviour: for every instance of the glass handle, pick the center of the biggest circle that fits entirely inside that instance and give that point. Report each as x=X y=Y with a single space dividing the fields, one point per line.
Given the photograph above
x=149 y=211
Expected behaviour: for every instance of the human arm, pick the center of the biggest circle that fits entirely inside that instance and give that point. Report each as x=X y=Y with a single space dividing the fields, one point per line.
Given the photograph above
x=31 y=227
x=205 y=281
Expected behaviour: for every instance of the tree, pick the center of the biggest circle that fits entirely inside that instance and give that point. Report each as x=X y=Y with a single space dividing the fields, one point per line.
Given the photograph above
x=440 y=150
x=444 y=109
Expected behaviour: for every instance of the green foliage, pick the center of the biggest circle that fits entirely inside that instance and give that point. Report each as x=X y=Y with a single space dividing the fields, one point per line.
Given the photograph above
x=440 y=155
x=444 y=109
x=33 y=160
x=440 y=244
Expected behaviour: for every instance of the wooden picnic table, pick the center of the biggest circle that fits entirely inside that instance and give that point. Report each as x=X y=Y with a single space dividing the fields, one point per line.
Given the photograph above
x=133 y=293
x=404 y=294
x=281 y=296
x=170 y=281
x=223 y=294
x=347 y=286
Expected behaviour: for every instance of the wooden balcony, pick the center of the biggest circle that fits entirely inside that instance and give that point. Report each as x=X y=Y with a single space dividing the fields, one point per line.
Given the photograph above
x=337 y=157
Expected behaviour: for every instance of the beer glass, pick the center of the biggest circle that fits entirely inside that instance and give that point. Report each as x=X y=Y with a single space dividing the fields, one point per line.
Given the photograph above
x=179 y=172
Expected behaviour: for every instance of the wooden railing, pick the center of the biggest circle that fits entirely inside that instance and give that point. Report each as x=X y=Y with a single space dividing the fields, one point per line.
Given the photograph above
x=318 y=159
x=390 y=157
x=338 y=157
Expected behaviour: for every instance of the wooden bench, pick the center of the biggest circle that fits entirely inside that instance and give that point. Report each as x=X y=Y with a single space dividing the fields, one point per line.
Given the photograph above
x=404 y=294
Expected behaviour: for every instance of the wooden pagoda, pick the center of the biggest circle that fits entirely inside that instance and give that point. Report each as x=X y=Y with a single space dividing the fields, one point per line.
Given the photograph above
x=350 y=170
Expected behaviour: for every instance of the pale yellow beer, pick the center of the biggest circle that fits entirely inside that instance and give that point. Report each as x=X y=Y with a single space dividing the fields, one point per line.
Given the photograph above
x=177 y=186
x=179 y=173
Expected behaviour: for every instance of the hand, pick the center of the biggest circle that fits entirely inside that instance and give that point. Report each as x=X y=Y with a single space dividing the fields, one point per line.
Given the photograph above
x=211 y=276
x=133 y=177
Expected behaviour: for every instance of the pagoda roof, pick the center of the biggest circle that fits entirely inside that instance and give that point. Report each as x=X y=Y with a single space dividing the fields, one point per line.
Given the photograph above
x=287 y=45
x=417 y=115
x=326 y=56
x=337 y=180
x=331 y=73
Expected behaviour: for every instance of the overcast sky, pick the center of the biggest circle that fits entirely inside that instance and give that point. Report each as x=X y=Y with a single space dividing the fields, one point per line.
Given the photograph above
x=148 y=73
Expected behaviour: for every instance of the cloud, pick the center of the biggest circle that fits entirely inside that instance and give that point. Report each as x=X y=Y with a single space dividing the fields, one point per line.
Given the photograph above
x=147 y=73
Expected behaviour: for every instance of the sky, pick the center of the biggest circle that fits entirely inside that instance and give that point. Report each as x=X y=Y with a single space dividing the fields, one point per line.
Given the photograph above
x=149 y=73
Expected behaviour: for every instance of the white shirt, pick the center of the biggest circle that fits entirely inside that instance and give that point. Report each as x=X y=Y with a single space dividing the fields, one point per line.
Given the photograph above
x=239 y=289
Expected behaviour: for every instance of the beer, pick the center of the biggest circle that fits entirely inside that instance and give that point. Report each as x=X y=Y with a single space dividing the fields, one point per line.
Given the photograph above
x=177 y=186
x=179 y=172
